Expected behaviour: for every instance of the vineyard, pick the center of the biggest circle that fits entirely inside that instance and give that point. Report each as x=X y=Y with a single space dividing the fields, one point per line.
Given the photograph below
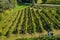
x=31 y=20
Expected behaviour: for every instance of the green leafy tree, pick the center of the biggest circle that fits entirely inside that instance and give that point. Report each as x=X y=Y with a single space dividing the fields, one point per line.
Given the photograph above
x=7 y=4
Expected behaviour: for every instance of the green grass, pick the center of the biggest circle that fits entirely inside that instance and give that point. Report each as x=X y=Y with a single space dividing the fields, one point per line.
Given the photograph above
x=0 y=17
x=24 y=19
x=42 y=38
x=11 y=12
x=7 y=17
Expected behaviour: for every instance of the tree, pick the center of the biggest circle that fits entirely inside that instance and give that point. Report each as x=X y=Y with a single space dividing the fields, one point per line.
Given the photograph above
x=44 y=1
x=7 y=4
x=33 y=2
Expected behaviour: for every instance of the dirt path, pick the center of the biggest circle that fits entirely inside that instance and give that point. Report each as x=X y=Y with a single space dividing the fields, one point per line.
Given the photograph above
x=14 y=37
x=49 y=5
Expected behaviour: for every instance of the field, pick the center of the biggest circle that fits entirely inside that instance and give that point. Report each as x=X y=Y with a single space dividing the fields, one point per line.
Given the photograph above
x=25 y=21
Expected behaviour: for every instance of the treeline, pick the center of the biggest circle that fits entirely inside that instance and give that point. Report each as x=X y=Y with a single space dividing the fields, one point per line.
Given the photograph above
x=8 y=4
x=53 y=1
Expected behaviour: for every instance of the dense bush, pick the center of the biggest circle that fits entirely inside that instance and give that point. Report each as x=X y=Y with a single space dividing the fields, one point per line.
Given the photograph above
x=7 y=4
